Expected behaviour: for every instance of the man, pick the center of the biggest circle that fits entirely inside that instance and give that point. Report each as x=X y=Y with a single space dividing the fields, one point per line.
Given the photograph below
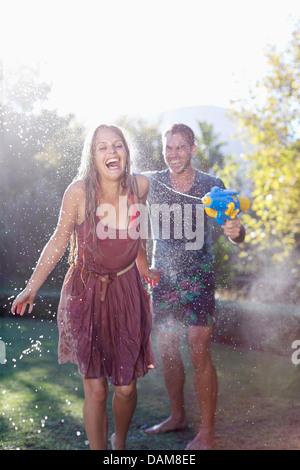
x=184 y=298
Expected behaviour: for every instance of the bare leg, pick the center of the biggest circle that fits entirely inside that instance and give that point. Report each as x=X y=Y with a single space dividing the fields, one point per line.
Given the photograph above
x=206 y=386
x=124 y=403
x=95 y=413
x=173 y=370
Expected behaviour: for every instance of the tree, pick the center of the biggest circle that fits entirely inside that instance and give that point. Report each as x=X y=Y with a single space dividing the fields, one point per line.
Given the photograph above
x=39 y=156
x=274 y=165
x=209 y=155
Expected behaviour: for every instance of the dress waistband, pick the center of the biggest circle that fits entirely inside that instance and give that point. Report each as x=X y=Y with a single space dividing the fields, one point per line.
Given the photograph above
x=105 y=279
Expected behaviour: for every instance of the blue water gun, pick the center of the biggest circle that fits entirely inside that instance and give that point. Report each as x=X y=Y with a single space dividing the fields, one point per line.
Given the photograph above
x=223 y=204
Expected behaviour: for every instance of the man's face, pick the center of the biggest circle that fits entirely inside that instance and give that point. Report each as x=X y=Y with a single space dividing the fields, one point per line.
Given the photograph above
x=177 y=152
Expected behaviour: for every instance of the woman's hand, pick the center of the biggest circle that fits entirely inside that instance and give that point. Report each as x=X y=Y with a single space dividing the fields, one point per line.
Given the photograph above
x=26 y=297
x=151 y=276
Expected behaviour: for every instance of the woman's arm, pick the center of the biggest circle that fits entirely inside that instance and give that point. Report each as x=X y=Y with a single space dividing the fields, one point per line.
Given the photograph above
x=151 y=276
x=53 y=250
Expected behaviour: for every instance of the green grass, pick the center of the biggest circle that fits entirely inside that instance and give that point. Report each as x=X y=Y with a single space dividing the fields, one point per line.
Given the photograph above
x=41 y=401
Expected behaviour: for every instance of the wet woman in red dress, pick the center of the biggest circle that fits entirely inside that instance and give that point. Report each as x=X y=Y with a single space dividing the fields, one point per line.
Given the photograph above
x=104 y=315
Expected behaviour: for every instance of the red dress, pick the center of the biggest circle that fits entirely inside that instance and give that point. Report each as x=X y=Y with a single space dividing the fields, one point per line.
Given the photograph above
x=108 y=337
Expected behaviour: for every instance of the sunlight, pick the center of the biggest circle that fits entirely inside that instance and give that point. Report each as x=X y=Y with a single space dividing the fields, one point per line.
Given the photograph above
x=120 y=58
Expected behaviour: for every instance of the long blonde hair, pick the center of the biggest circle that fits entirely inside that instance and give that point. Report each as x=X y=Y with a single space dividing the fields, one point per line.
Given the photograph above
x=87 y=172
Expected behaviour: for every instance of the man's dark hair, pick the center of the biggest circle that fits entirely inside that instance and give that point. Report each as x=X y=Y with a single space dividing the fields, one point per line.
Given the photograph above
x=181 y=129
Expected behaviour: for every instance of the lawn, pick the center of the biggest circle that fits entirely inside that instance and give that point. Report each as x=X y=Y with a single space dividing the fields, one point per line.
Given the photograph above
x=41 y=401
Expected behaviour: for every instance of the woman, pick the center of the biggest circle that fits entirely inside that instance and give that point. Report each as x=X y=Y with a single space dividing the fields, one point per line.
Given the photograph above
x=104 y=316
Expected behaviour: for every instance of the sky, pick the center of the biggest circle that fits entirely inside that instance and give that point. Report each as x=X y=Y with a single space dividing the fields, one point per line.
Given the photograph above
x=109 y=58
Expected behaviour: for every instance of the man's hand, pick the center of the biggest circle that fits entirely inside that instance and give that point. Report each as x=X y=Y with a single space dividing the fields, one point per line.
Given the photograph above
x=234 y=230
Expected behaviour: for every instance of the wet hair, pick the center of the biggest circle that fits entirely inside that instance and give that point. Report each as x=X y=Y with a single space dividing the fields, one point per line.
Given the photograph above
x=87 y=172
x=179 y=128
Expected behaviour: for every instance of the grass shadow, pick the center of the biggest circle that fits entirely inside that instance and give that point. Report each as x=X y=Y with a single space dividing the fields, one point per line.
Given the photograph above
x=41 y=401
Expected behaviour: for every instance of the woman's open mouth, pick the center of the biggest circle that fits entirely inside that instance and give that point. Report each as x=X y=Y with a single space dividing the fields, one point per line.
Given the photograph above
x=113 y=164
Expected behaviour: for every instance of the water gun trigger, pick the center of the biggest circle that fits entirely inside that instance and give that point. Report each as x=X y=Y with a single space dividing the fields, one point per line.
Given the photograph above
x=230 y=209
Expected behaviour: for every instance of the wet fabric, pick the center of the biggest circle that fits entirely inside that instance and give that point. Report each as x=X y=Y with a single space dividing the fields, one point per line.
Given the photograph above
x=161 y=193
x=188 y=299
x=109 y=338
x=186 y=291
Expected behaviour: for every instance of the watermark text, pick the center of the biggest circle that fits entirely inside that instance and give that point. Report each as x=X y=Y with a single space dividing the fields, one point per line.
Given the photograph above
x=296 y=354
x=2 y=352
x=159 y=221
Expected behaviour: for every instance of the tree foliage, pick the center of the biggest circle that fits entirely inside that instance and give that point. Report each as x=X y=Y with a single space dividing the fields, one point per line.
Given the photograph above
x=271 y=125
x=39 y=157
x=209 y=154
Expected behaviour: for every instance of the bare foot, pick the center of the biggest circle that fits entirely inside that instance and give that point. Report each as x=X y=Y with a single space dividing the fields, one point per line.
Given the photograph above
x=112 y=440
x=168 y=425
x=203 y=441
x=114 y=443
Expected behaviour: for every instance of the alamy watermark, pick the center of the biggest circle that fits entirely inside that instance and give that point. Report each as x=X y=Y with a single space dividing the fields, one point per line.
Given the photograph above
x=2 y=352
x=296 y=354
x=176 y=221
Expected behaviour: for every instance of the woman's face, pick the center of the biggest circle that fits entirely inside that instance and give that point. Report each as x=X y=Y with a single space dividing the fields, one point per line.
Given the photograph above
x=110 y=154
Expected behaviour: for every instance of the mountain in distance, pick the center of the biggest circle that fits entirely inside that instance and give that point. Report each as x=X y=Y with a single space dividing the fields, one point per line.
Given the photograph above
x=219 y=117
